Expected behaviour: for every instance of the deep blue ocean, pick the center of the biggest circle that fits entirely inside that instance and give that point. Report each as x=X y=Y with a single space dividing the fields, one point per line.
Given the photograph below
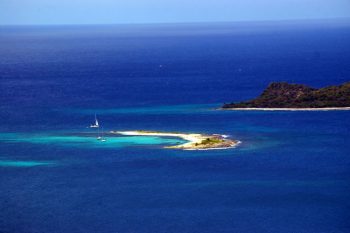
x=291 y=174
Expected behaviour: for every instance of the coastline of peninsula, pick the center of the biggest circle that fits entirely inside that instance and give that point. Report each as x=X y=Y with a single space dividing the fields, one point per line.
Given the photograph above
x=287 y=109
x=282 y=96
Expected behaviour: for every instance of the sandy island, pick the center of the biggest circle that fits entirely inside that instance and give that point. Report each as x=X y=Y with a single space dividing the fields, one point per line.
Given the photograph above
x=195 y=141
x=288 y=109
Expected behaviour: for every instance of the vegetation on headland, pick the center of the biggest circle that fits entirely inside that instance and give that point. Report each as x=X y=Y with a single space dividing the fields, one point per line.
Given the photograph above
x=285 y=95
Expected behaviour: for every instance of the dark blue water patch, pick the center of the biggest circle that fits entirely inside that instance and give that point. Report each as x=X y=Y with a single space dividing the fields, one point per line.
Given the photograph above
x=146 y=189
x=79 y=69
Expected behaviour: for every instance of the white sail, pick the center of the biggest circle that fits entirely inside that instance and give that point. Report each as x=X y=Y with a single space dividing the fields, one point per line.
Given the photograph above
x=96 y=125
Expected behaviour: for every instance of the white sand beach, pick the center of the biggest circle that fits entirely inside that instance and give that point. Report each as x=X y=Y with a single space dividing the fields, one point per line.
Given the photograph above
x=288 y=109
x=195 y=141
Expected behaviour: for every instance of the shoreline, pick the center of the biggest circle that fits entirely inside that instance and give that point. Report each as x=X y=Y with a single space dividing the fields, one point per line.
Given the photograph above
x=195 y=141
x=288 y=109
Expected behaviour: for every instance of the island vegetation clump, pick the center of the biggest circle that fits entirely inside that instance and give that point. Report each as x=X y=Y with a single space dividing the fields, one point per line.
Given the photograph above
x=285 y=95
x=210 y=141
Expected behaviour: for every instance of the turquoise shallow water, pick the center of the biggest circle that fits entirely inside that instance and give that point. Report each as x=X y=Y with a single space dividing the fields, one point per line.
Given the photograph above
x=14 y=163
x=87 y=141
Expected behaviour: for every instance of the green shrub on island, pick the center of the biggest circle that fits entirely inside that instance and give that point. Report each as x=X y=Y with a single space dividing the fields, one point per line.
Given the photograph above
x=210 y=141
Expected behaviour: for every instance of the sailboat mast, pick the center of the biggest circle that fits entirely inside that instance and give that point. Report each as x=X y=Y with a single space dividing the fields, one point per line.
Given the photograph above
x=103 y=139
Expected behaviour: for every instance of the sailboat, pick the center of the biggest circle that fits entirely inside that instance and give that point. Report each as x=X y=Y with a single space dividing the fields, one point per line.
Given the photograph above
x=96 y=125
x=98 y=134
x=103 y=139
